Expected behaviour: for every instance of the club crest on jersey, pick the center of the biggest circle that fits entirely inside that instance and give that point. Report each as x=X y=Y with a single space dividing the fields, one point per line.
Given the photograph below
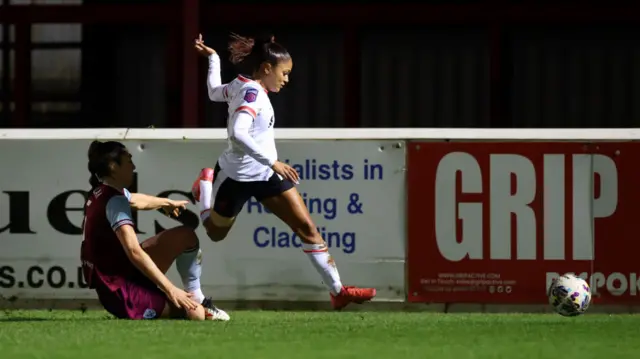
x=251 y=95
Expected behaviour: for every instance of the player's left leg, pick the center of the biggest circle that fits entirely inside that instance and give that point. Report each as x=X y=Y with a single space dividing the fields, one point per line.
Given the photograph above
x=220 y=199
x=181 y=245
x=284 y=200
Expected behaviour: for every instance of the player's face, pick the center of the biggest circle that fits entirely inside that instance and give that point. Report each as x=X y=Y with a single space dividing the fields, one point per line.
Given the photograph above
x=278 y=75
x=123 y=173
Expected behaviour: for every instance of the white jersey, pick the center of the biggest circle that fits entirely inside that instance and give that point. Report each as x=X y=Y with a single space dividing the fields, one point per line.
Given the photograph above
x=252 y=148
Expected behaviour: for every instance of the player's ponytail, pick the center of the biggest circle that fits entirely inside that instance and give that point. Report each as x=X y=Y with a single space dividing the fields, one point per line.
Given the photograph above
x=101 y=154
x=239 y=48
x=250 y=53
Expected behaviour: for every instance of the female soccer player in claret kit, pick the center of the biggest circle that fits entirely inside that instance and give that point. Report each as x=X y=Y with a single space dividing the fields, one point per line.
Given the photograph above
x=128 y=276
x=249 y=167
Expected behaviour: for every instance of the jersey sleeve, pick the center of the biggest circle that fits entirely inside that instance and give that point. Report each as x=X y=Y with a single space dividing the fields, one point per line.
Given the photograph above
x=119 y=212
x=217 y=91
x=247 y=101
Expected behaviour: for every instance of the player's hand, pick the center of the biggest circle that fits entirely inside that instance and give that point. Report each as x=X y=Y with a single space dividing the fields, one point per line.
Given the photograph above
x=286 y=171
x=203 y=49
x=181 y=299
x=175 y=208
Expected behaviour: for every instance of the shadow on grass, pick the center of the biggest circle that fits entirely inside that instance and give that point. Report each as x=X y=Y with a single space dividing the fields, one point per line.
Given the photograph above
x=25 y=319
x=18 y=319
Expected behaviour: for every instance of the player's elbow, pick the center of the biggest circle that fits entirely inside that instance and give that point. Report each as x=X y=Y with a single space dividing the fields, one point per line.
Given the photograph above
x=234 y=138
x=130 y=244
x=239 y=136
x=135 y=255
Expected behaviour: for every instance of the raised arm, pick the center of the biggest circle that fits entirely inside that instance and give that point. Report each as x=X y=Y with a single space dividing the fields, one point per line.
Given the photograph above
x=215 y=88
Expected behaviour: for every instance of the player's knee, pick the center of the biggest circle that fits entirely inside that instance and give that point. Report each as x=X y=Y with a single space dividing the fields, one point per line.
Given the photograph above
x=187 y=236
x=218 y=226
x=217 y=234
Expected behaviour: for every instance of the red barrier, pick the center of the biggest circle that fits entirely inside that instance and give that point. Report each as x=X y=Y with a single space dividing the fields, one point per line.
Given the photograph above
x=494 y=222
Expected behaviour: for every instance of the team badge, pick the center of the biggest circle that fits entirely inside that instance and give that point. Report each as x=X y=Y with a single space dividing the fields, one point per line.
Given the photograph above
x=251 y=95
x=149 y=314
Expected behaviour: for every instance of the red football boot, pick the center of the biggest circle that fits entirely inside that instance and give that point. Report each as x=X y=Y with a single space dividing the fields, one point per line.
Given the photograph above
x=350 y=294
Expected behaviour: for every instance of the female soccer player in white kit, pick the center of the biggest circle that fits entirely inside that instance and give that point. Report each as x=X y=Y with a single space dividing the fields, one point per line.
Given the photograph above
x=249 y=167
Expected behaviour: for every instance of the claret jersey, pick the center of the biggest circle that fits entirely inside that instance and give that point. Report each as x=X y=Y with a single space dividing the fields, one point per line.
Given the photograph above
x=103 y=257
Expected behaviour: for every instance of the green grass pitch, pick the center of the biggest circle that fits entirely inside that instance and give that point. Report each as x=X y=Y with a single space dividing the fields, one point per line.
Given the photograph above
x=307 y=335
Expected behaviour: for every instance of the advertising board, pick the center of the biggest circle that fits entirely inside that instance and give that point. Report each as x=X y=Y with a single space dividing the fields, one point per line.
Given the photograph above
x=355 y=191
x=495 y=222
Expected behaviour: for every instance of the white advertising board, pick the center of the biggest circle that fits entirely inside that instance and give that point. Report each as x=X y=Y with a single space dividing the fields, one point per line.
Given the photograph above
x=355 y=191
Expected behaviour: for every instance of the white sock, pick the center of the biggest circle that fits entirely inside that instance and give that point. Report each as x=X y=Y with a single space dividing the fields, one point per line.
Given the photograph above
x=204 y=202
x=189 y=265
x=324 y=264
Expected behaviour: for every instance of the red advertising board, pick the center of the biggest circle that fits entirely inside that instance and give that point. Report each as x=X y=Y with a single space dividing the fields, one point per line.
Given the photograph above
x=495 y=222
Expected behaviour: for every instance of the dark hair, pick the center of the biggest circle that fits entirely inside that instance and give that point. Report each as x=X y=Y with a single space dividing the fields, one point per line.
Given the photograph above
x=249 y=53
x=101 y=154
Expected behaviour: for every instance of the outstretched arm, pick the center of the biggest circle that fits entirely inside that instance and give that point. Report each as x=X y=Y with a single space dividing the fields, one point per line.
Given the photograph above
x=145 y=202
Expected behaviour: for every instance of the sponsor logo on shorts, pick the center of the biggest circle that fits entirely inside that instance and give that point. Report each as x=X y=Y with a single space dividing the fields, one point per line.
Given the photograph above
x=149 y=314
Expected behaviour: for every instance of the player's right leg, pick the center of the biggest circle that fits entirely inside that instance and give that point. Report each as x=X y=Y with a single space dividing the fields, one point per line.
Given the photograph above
x=284 y=200
x=219 y=200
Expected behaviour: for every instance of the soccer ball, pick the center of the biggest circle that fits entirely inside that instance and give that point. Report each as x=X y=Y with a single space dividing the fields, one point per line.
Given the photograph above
x=569 y=295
